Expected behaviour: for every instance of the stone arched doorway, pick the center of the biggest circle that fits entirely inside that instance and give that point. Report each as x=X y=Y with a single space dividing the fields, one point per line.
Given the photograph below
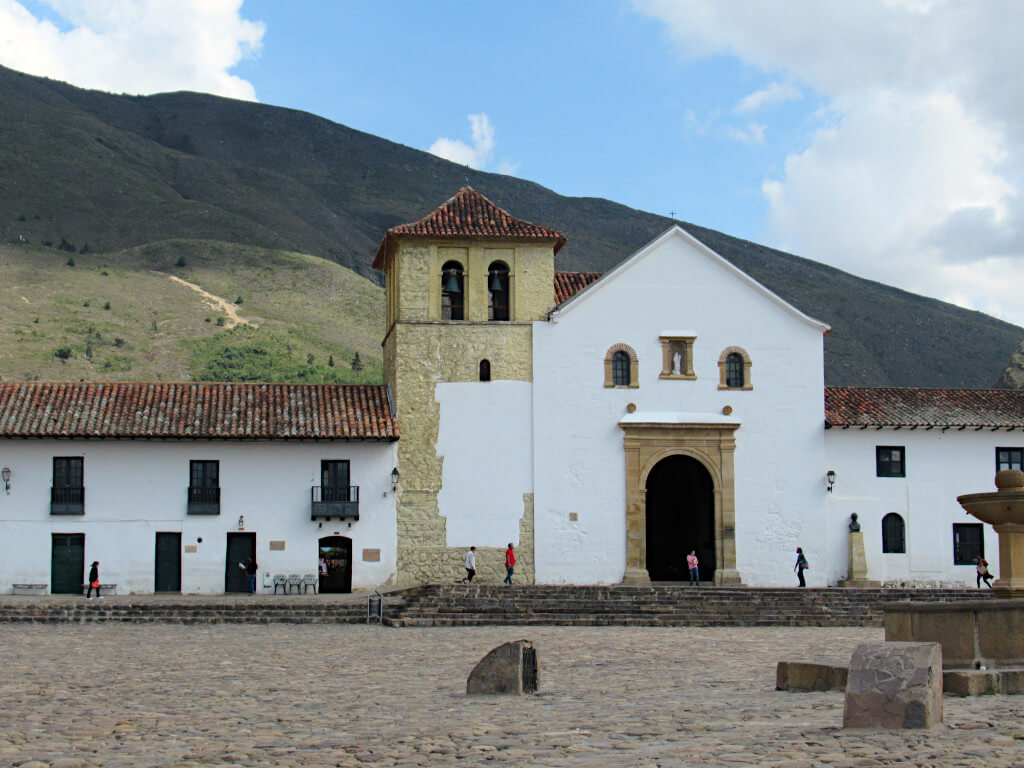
x=712 y=445
x=680 y=505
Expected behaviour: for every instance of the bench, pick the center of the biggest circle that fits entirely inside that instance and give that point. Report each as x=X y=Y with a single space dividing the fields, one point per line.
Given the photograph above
x=105 y=589
x=29 y=589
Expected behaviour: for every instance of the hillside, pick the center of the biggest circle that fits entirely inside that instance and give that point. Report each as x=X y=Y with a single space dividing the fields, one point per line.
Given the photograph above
x=115 y=172
x=168 y=312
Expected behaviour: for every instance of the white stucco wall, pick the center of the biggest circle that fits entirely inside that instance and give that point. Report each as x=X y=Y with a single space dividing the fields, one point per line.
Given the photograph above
x=136 y=488
x=486 y=442
x=939 y=467
x=579 y=464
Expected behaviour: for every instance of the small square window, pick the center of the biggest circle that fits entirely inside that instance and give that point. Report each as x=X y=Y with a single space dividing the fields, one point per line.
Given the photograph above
x=968 y=543
x=1009 y=458
x=889 y=461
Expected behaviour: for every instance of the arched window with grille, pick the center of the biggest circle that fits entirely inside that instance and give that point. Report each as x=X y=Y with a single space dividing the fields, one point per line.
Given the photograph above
x=498 y=291
x=452 y=291
x=894 y=534
x=734 y=369
x=620 y=369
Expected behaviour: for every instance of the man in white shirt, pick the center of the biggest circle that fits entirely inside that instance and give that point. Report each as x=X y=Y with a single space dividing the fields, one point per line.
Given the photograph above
x=470 y=565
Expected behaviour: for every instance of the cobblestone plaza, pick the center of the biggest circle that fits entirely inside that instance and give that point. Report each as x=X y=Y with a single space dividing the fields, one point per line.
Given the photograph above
x=350 y=695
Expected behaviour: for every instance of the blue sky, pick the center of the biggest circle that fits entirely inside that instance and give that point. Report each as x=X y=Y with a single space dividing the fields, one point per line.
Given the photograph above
x=587 y=98
x=885 y=137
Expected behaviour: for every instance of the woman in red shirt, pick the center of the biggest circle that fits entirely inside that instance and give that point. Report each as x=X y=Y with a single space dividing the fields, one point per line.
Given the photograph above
x=510 y=562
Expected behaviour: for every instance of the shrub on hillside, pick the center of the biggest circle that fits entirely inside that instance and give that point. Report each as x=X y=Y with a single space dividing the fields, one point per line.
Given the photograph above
x=71 y=261
x=63 y=353
x=181 y=261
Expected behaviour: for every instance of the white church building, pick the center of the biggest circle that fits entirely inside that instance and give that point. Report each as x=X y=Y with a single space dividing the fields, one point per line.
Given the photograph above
x=606 y=425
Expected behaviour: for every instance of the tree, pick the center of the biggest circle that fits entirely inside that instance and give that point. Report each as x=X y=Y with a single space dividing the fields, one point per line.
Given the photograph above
x=330 y=361
x=356 y=364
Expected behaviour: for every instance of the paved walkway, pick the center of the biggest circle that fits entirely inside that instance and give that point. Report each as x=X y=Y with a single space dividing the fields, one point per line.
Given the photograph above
x=176 y=598
x=114 y=695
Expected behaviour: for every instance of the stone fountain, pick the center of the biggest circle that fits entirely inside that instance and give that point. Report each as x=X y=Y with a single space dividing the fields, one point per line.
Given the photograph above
x=982 y=639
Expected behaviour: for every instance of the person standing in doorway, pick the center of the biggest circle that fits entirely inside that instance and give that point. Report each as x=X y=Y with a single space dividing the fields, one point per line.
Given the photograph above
x=691 y=563
x=250 y=568
x=983 y=572
x=801 y=566
x=510 y=564
x=470 y=565
x=94 y=581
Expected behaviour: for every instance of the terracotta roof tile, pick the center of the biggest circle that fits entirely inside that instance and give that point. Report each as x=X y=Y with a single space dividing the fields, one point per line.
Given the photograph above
x=910 y=407
x=568 y=284
x=468 y=215
x=196 y=410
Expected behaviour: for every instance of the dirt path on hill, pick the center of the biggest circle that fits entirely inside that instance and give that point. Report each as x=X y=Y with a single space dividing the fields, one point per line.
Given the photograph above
x=216 y=303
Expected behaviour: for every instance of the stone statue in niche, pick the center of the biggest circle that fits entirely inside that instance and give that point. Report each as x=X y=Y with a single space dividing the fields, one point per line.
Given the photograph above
x=854 y=525
x=677 y=361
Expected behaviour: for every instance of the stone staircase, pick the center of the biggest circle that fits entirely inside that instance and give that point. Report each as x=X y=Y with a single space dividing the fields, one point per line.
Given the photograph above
x=185 y=610
x=670 y=606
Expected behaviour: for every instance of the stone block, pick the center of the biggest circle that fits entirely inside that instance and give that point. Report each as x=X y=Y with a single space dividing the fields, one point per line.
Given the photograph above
x=894 y=685
x=981 y=682
x=803 y=676
x=510 y=668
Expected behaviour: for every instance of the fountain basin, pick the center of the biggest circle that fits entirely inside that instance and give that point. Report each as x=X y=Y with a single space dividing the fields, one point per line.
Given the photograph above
x=974 y=633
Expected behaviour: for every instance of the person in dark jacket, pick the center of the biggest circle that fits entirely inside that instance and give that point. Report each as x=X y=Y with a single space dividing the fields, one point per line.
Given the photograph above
x=94 y=580
x=801 y=566
x=250 y=568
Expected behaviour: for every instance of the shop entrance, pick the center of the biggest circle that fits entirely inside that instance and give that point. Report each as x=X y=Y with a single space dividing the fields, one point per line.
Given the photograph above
x=335 y=564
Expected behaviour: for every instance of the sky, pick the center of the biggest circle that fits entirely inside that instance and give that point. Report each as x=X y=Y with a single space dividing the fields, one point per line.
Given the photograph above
x=882 y=137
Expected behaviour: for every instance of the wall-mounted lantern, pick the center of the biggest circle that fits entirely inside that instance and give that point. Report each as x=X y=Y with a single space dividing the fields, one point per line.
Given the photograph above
x=241 y=522
x=394 y=478
x=5 y=473
x=830 y=476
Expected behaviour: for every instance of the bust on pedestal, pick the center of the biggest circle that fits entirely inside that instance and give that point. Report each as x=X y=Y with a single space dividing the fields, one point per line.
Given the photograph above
x=858 y=561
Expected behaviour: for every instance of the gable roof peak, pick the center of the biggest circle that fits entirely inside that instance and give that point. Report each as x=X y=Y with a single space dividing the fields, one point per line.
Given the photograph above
x=468 y=215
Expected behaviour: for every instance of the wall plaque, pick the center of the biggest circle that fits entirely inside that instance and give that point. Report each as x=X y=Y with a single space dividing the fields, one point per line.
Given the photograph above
x=371 y=555
x=276 y=546
x=191 y=549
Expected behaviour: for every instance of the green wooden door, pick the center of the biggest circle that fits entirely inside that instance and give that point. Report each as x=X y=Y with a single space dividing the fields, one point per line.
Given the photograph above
x=67 y=564
x=168 y=562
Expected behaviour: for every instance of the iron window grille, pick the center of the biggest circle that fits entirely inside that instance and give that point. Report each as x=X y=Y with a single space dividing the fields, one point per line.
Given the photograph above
x=620 y=369
x=734 y=371
x=894 y=537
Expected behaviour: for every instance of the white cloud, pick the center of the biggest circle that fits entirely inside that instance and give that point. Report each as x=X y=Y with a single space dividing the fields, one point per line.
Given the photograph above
x=775 y=93
x=479 y=154
x=753 y=133
x=134 y=46
x=916 y=176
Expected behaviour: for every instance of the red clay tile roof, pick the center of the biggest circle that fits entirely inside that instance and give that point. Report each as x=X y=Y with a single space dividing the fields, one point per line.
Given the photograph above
x=568 y=284
x=468 y=215
x=909 y=407
x=194 y=410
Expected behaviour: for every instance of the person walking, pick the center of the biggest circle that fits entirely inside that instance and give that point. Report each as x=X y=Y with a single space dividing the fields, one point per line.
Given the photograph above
x=510 y=564
x=801 y=566
x=691 y=563
x=94 y=581
x=983 y=572
x=470 y=565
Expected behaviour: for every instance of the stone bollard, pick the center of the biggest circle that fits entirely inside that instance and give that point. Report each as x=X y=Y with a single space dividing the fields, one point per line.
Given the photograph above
x=509 y=668
x=894 y=685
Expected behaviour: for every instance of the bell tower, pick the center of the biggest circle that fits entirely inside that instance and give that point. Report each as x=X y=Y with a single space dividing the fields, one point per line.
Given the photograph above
x=464 y=286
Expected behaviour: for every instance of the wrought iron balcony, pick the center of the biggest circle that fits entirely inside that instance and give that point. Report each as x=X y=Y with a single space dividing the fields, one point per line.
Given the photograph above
x=67 y=501
x=203 y=500
x=341 y=502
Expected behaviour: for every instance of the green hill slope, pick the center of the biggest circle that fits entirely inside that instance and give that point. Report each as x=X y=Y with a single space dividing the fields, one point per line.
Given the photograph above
x=168 y=311
x=119 y=171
